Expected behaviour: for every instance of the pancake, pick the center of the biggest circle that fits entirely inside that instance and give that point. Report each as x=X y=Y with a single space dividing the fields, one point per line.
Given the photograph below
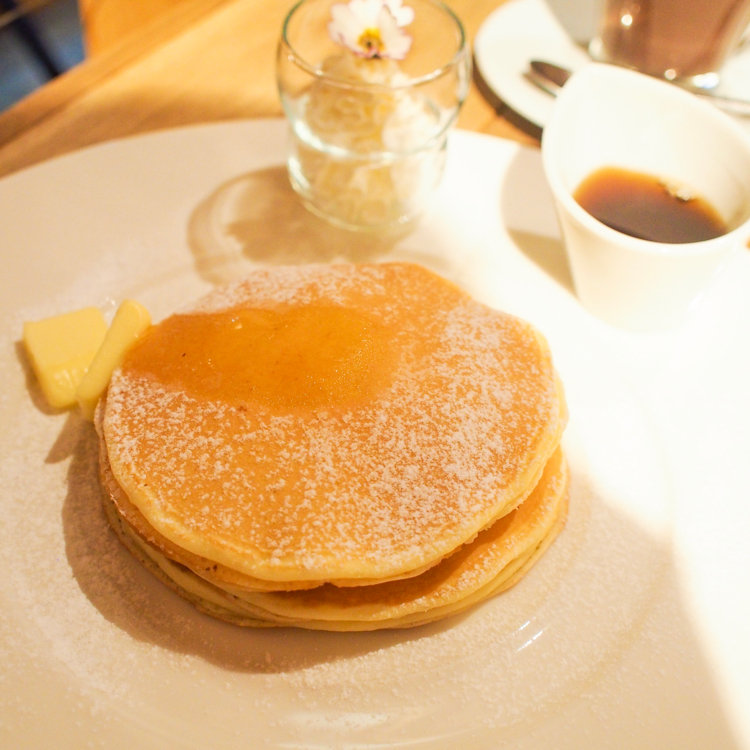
x=494 y=561
x=322 y=445
x=332 y=423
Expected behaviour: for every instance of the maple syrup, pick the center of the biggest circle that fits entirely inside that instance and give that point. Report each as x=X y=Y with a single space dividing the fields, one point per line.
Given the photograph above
x=648 y=207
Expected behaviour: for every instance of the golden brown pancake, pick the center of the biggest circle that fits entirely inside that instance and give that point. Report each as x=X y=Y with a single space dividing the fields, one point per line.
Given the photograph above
x=494 y=561
x=349 y=425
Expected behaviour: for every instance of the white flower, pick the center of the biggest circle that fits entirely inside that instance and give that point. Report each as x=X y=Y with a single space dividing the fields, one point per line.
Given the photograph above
x=403 y=14
x=372 y=28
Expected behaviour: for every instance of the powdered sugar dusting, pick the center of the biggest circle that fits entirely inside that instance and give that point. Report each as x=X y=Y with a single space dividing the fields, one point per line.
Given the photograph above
x=298 y=284
x=435 y=456
x=111 y=643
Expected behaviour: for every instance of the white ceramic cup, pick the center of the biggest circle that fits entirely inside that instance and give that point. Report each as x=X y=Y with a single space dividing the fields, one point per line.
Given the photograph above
x=607 y=116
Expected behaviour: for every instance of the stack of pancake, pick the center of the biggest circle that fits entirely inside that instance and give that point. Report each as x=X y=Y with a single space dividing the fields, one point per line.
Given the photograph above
x=339 y=447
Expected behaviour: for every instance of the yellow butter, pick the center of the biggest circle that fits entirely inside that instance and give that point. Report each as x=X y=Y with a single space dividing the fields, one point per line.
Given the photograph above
x=130 y=321
x=61 y=348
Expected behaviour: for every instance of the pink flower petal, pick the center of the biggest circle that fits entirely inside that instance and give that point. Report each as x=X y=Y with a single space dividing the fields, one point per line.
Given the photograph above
x=372 y=28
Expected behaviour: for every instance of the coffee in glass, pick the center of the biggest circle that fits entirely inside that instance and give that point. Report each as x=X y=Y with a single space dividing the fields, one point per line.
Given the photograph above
x=680 y=40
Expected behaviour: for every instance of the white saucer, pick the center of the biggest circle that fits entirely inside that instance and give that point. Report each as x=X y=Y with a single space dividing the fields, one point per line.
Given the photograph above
x=522 y=30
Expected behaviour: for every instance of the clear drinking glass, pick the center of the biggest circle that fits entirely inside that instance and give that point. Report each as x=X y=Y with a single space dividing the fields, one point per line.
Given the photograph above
x=687 y=41
x=368 y=134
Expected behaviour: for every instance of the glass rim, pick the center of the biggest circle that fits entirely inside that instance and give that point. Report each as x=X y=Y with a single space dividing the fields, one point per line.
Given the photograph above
x=408 y=83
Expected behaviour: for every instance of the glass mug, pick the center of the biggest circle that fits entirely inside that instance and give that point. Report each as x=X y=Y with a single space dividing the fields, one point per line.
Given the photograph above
x=686 y=41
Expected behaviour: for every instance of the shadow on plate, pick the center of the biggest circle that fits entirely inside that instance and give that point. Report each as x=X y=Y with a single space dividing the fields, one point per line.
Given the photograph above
x=131 y=598
x=598 y=624
x=527 y=211
x=258 y=219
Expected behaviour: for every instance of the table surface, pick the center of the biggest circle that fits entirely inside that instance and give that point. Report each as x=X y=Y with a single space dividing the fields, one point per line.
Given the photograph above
x=203 y=61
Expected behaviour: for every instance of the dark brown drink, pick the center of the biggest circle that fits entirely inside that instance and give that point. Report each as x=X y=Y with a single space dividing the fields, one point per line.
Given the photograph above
x=646 y=207
x=673 y=39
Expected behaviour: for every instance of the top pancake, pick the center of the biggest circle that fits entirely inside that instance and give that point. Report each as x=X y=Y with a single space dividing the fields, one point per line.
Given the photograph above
x=332 y=423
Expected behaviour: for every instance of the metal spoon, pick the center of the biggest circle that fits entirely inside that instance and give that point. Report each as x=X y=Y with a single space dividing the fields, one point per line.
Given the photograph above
x=551 y=78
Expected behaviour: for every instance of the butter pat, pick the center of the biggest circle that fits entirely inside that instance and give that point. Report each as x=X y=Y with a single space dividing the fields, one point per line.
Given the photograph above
x=61 y=348
x=130 y=321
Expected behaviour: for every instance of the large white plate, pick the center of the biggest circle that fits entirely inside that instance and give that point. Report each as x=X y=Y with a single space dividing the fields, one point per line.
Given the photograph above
x=557 y=31
x=629 y=633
